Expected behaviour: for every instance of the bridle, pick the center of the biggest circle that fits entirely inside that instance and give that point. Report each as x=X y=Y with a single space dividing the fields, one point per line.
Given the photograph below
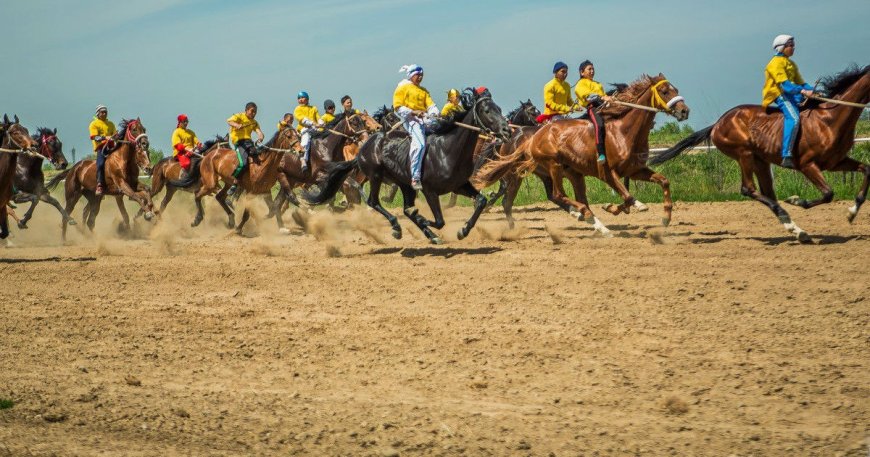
x=478 y=122
x=45 y=146
x=667 y=107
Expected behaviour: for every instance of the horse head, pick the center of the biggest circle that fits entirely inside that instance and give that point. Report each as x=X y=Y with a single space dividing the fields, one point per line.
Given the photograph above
x=16 y=135
x=287 y=139
x=369 y=122
x=135 y=135
x=50 y=147
x=666 y=97
x=485 y=113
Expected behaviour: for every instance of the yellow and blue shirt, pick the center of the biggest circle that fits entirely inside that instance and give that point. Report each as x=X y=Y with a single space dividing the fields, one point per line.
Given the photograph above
x=781 y=76
x=557 y=97
x=586 y=87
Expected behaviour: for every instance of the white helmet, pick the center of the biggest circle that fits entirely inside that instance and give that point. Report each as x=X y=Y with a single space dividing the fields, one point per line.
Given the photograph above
x=780 y=41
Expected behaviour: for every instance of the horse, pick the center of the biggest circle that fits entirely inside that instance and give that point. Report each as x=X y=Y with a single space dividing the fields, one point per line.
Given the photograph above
x=168 y=171
x=338 y=142
x=122 y=177
x=447 y=166
x=258 y=177
x=752 y=136
x=570 y=144
x=30 y=180
x=14 y=139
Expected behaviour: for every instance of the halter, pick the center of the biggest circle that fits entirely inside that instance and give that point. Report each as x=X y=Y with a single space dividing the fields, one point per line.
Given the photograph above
x=14 y=143
x=483 y=128
x=45 y=146
x=657 y=98
x=292 y=143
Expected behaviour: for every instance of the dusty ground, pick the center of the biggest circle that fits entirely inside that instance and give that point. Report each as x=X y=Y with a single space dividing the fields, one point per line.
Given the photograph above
x=718 y=336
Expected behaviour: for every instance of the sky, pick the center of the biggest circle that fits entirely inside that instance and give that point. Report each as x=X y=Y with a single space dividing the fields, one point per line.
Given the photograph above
x=156 y=59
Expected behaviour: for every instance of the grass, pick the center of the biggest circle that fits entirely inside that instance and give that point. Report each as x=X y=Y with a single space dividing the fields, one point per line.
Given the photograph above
x=6 y=403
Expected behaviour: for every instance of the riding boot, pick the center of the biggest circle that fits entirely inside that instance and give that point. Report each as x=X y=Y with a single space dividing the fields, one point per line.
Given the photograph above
x=101 y=171
x=787 y=162
x=602 y=156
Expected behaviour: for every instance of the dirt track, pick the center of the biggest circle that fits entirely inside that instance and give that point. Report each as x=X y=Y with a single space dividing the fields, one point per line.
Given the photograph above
x=721 y=336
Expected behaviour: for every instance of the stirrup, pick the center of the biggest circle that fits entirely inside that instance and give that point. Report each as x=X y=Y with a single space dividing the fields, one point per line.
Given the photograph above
x=100 y=190
x=416 y=184
x=787 y=162
x=602 y=158
x=232 y=190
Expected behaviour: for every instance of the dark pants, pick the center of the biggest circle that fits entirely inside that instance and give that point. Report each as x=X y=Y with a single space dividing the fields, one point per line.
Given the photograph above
x=598 y=124
x=101 y=165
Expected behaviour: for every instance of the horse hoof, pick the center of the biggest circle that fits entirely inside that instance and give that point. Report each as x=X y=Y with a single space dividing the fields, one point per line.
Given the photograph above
x=436 y=240
x=22 y=225
x=666 y=221
x=794 y=200
x=397 y=234
x=71 y=222
x=461 y=234
x=640 y=207
x=853 y=211
x=284 y=231
x=148 y=216
x=803 y=237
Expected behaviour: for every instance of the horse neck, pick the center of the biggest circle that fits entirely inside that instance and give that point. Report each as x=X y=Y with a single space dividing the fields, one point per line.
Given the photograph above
x=636 y=124
x=29 y=162
x=841 y=118
x=461 y=140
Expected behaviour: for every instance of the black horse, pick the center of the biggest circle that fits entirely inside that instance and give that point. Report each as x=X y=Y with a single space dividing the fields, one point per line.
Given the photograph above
x=447 y=166
x=30 y=180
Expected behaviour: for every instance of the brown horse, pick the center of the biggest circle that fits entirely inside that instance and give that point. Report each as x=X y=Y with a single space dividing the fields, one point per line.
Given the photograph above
x=122 y=177
x=753 y=137
x=569 y=146
x=14 y=138
x=29 y=176
x=167 y=171
x=258 y=177
x=339 y=143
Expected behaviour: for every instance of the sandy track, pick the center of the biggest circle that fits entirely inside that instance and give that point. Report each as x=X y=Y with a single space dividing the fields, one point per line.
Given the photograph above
x=721 y=337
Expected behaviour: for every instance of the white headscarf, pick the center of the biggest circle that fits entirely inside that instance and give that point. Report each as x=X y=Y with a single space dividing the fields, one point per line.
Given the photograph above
x=411 y=70
x=780 y=41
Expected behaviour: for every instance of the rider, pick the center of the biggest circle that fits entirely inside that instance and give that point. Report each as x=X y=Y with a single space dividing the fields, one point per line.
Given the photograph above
x=101 y=131
x=785 y=89
x=285 y=122
x=453 y=104
x=557 y=95
x=184 y=142
x=328 y=111
x=307 y=118
x=347 y=106
x=241 y=126
x=413 y=105
x=590 y=95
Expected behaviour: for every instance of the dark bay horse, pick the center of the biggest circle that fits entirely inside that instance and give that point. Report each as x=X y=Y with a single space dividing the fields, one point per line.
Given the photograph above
x=167 y=172
x=753 y=137
x=258 y=177
x=122 y=177
x=570 y=145
x=14 y=140
x=447 y=165
x=30 y=179
x=340 y=142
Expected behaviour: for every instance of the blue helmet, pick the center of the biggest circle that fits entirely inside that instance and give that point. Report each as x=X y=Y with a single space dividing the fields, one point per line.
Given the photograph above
x=302 y=94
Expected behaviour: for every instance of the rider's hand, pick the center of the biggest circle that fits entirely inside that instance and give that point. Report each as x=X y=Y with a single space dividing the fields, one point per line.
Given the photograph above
x=806 y=93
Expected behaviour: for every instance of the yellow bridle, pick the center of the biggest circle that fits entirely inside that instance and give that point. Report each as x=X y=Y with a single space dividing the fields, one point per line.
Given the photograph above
x=657 y=98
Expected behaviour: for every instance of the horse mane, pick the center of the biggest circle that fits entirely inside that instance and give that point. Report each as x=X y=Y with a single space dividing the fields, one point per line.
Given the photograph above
x=381 y=113
x=836 y=84
x=515 y=111
x=40 y=131
x=212 y=142
x=628 y=93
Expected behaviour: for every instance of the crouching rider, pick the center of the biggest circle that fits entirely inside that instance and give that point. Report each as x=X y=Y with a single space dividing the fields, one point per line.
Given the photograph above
x=785 y=89
x=185 y=144
x=414 y=106
x=101 y=130
x=241 y=126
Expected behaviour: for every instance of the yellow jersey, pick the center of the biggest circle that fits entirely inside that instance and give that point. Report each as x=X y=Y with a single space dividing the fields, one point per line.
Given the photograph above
x=305 y=112
x=412 y=96
x=557 y=97
x=183 y=136
x=779 y=69
x=244 y=133
x=282 y=125
x=450 y=108
x=100 y=127
x=327 y=118
x=586 y=87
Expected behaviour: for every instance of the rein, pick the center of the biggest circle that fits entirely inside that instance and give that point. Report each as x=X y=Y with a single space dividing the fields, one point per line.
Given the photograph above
x=839 y=102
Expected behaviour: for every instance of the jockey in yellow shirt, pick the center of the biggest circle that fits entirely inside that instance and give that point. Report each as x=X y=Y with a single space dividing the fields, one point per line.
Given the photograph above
x=308 y=120
x=241 y=126
x=414 y=106
x=557 y=95
x=286 y=121
x=452 y=104
x=328 y=111
x=590 y=95
x=101 y=130
x=184 y=142
x=347 y=106
x=785 y=89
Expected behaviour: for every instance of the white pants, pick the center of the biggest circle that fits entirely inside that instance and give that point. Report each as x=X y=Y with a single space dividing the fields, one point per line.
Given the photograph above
x=305 y=141
x=418 y=141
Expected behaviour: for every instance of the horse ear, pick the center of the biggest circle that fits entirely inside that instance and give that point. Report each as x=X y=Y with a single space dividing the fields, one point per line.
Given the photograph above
x=661 y=75
x=55 y=130
x=16 y=118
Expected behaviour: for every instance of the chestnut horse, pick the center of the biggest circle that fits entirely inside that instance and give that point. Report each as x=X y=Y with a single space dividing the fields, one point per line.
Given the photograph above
x=571 y=144
x=30 y=180
x=167 y=172
x=122 y=177
x=258 y=177
x=753 y=137
x=14 y=139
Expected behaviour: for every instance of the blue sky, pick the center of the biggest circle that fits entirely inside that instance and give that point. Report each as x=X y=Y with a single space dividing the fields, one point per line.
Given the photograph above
x=207 y=58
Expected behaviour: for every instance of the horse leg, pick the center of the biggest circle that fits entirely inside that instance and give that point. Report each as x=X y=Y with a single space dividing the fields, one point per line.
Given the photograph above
x=408 y=197
x=245 y=216
x=93 y=210
x=170 y=191
x=375 y=203
x=612 y=180
x=577 y=209
x=391 y=194
x=452 y=202
x=849 y=164
x=494 y=196
x=23 y=197
x=434 y=202
x=812 y=172
x=479 y=205
x=645 y=174
x=512 y=186
x=221 y=197
x=767 y=196
x=125 y=218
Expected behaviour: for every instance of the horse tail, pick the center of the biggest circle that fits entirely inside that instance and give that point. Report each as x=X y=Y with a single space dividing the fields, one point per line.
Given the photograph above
x=685 y=143
x=336 y=172
x=191 y=179
x=518 y=162
x=51 y=184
